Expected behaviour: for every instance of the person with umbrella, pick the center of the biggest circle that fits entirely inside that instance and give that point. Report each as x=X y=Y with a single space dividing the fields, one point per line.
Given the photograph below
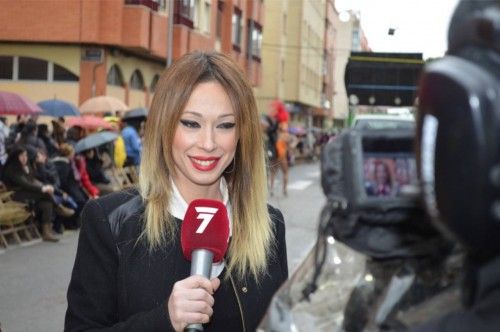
x=283 y=140
x=90 y=163
x=133 y=142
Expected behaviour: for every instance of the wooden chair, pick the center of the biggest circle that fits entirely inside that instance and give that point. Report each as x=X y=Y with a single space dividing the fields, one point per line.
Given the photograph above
x=16 y=220
x=132 y=174
x=120 y=177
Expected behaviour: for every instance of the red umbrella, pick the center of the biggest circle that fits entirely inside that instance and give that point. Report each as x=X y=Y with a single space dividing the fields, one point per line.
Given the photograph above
x=88 y=122
x=14 y=104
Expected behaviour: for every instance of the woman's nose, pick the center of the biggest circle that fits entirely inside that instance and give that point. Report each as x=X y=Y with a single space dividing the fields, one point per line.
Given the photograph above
x=208 y=139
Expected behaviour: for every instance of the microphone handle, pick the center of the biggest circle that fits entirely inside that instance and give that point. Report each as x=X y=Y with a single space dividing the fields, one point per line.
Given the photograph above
x=201 y=264
x=192 y=329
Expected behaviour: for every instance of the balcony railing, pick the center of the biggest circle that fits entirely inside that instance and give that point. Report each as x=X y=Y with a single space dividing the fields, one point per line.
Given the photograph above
x=148 y=3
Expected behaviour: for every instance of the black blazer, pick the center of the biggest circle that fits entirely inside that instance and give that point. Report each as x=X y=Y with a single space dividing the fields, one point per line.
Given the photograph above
x=118 y=285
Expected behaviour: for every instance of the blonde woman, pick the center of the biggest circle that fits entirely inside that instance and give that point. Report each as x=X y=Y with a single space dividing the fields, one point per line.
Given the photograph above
x=202 y=140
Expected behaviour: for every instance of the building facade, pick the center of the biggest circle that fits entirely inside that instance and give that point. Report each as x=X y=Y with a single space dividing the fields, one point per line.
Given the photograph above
x=75 y=49
x=293 y=57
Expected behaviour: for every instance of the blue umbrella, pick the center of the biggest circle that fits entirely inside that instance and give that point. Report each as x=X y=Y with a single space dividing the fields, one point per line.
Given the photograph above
x=94 y=140
x=58 y=108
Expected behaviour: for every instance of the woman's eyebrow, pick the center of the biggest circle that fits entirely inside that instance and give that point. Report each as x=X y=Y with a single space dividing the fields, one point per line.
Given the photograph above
x=200 y=115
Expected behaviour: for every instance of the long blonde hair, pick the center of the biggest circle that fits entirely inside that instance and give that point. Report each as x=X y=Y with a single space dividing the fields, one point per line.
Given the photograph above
x=251 y=227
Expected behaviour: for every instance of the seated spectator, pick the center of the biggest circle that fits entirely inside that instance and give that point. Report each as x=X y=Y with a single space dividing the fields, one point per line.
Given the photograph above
x=74 y=134
x=58 y=131
x=19 y=177
x=70 y=178
x=85 y=180
x=48 y=140
x=46 y=172
x=29 y=138
x=116 y=149
x=96 y=172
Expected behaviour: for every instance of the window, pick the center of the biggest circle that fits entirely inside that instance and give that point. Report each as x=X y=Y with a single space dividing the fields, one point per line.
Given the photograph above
x=33 y=69
x=136 y=81
x=208 y=18
x=115 y=76
x=236 y=29
x=183 y=12
x=284 y=24
x=220 y=12
x=254 y=40
x=24 y=68
x=153 y=4
x=282 y=73
x=161 y=4
x=6 y=67
x=154 y=81
x=196 y=14
x=62 y=74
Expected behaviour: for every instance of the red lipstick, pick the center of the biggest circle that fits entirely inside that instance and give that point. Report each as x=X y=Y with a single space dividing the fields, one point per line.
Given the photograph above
x=204 y=164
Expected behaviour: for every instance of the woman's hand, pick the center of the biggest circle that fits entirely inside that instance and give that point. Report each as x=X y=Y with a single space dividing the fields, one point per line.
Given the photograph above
x=191 y=301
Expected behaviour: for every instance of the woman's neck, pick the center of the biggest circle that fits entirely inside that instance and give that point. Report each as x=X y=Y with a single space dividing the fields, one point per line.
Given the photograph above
x=190 y=193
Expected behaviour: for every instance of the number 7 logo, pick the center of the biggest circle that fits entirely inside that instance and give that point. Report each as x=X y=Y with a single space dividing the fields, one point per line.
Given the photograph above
x=206 y=214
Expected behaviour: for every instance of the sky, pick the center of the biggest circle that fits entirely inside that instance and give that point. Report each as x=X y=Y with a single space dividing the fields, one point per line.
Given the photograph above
x=420 y=25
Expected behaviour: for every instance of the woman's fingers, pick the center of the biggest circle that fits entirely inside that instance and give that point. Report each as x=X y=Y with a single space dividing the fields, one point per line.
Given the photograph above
x=215 y=283
x=198 y=282
x=191 y=301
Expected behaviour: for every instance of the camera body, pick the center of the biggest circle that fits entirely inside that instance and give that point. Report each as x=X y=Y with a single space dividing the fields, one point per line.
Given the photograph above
x=370 y=180
x=378 y=167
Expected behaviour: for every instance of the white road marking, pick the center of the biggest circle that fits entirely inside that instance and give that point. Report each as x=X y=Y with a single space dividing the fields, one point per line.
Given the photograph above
x=314 y=174
x=299 y=185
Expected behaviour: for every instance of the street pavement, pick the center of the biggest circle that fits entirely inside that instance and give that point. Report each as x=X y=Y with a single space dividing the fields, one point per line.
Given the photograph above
x=34 y=277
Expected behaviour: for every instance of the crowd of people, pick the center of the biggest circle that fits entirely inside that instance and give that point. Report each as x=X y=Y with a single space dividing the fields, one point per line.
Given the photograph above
x=41 y=167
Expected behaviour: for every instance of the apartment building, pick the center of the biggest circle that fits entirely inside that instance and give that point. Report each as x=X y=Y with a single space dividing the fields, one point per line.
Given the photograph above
x=293 y=57
x=75 y=49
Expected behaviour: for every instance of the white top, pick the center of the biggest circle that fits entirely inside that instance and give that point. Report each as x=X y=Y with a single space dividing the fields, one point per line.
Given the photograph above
x=178 y=208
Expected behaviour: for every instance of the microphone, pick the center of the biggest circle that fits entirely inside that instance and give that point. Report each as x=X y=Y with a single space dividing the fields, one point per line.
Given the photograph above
x=204 y=239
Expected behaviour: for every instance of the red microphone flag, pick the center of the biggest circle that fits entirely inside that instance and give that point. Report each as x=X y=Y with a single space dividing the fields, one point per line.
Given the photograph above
x=205 y=226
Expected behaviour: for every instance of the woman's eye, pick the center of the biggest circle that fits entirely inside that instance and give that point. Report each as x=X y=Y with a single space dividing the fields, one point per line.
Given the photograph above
x=190 y=124
x=227 y=125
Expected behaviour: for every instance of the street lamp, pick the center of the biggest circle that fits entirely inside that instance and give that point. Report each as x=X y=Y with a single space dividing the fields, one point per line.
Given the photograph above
x=344 y=16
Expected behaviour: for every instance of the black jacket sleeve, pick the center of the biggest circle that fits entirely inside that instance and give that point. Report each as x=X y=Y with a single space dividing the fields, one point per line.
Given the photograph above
x=93 y=293
x=282 y=246
x=280 y=239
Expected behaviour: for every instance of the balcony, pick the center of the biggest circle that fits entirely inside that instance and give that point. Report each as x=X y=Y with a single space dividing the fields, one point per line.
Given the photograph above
x=152 y=4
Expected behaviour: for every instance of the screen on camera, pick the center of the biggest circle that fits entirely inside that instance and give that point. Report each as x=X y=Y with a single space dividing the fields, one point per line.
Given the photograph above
x=388 y=174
